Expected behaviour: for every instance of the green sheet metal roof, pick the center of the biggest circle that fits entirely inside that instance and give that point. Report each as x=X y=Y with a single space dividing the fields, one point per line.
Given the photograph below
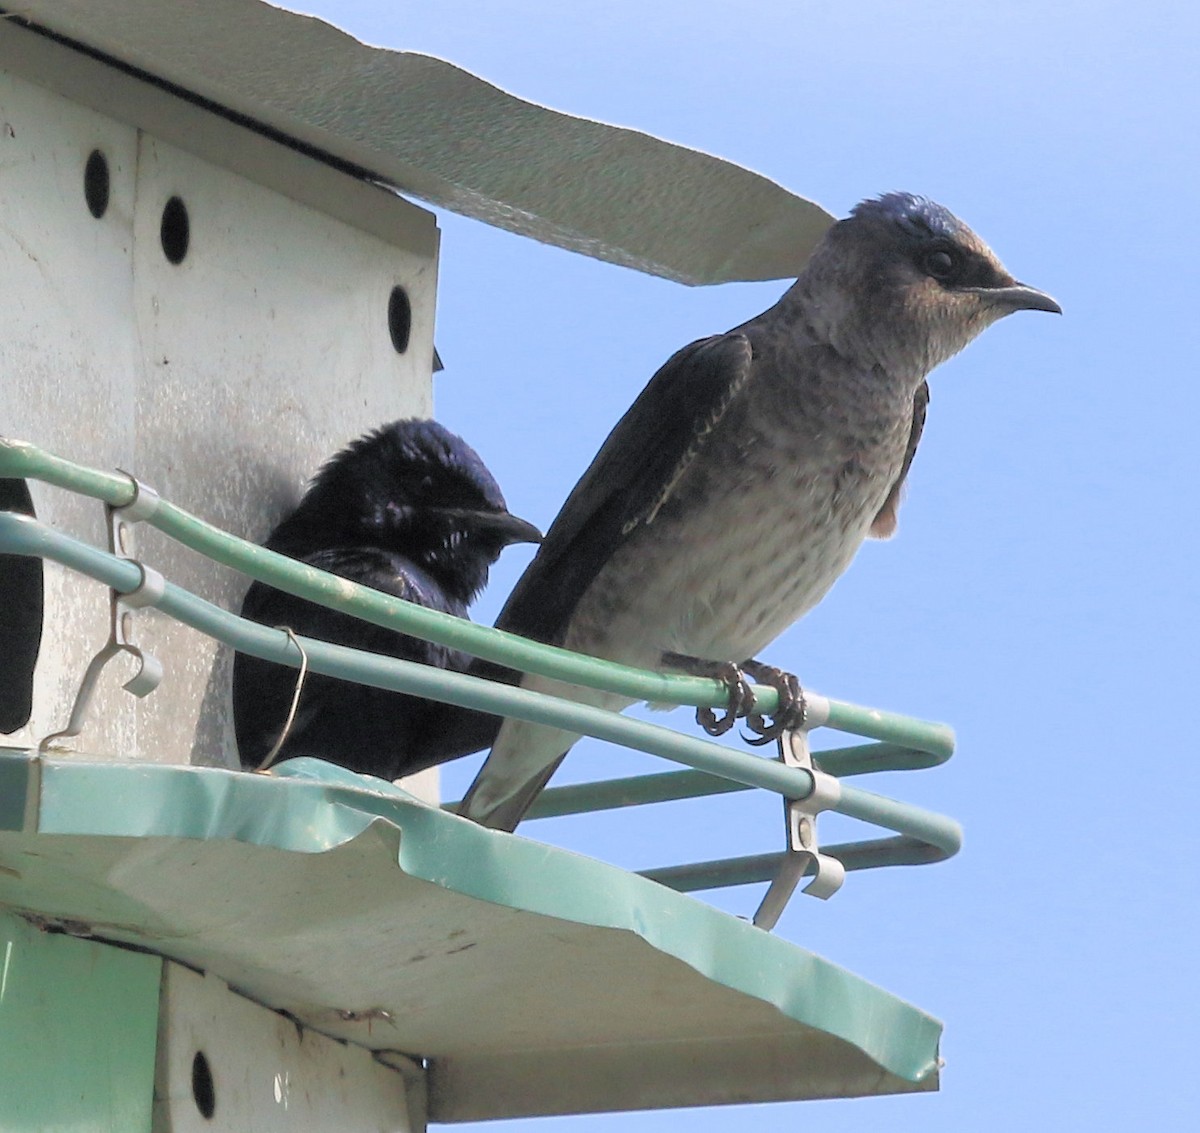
x=533 y=980
x=433 y=130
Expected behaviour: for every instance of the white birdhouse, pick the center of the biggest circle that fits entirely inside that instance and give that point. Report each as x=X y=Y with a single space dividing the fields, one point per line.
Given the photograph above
x=202 y=305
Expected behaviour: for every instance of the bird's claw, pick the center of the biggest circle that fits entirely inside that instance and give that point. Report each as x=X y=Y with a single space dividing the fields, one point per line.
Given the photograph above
x=741 y=698
x=791 y=712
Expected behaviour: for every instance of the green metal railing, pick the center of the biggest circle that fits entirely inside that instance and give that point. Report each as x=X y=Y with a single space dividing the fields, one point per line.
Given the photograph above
x=19 y=458
x=904 y=743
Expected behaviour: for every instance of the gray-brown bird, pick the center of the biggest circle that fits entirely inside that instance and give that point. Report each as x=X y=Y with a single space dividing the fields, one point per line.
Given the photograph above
x=740 y=484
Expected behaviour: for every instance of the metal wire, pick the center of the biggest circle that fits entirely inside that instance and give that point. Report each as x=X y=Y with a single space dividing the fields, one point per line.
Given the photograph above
x=271 y=756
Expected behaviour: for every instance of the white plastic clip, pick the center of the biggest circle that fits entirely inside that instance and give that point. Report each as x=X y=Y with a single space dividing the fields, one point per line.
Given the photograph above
x=123 y=609
x=150 y=670
x=143 y=505
x=121 y=542
x=800 y=816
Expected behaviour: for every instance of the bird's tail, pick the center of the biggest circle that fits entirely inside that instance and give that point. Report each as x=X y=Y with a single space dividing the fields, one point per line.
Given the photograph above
x=523 y=758
x=519 y=765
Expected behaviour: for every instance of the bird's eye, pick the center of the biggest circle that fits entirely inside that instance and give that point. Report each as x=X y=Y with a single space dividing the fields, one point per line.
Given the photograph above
x=942 y=264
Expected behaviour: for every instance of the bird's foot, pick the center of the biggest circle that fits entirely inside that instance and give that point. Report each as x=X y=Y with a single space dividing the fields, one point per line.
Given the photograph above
x=791 y=712
x=741 y=696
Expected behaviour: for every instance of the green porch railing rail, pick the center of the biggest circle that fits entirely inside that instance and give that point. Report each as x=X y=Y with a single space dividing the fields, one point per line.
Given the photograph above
x=19 y=458
x=903 y=742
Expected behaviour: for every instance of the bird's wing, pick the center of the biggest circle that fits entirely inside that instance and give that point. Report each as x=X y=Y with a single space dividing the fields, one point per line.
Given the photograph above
x=262 y=690
x=884 y=524
x=630 y=479
x=625 y=487
x=379 y=570
x=523 y=758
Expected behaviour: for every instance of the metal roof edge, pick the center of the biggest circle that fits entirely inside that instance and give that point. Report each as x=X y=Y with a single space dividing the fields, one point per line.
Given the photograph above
x=239 y=145
x=432 y=129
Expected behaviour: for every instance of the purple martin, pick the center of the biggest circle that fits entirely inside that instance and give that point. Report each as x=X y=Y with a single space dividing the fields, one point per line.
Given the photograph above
x=409 y=510
x=740 y=484
x=20 y=618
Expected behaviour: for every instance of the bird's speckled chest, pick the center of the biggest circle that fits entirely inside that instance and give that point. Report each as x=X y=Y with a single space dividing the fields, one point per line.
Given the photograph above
x=758 y=527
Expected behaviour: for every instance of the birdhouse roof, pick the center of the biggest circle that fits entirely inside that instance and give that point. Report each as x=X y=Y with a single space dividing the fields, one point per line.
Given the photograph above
x=434 y=131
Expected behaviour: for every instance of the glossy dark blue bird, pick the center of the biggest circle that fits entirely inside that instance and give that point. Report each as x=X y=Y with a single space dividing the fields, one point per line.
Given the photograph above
x=410 y=510
x=740 y=484
x=20 y=618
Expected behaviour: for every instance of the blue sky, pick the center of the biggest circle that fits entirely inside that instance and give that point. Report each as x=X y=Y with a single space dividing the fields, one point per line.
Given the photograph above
x=1041 y=594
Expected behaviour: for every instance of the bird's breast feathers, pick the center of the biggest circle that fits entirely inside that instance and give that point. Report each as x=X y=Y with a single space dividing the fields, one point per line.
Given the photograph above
x=723 y=576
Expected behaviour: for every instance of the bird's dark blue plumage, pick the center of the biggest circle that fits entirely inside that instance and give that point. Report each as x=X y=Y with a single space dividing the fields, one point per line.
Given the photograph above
x=740 y=484
x=409 y=510
x=919 y=217
x=20 y=618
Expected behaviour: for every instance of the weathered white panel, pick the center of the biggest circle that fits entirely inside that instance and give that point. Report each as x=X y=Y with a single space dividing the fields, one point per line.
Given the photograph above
x=191 y=126
x=223 y=380
x=227 y=1064
x=68 y=357
x=261 y=353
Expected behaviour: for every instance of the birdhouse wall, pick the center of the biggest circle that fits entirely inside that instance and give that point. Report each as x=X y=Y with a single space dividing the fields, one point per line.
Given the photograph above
x=222 y=380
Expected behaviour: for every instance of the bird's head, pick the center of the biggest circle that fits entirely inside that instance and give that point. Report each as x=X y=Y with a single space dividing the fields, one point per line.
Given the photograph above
x=417 y=489
x=911 y=284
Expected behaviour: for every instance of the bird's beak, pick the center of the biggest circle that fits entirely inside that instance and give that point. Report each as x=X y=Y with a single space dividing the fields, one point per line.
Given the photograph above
x=506 y=527
x=1020 y=297
x=517 y=530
